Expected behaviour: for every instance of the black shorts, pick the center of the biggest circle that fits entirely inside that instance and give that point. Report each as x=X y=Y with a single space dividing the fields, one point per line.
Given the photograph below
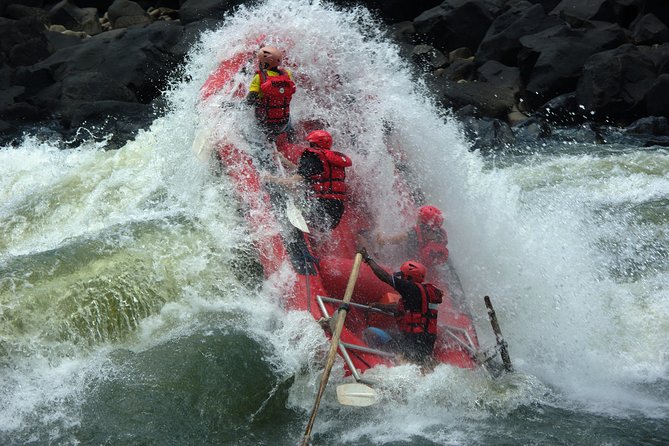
x=325 y=213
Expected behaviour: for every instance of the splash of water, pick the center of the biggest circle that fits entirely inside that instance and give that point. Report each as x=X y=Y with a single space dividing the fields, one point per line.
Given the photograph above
x=102 y=250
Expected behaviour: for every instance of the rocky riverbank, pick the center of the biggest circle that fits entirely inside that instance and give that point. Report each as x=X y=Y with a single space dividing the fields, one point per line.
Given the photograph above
x=511 y=70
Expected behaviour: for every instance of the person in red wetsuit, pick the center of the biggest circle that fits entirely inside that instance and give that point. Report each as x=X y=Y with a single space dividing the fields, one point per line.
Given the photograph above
x=416 y=311
x=323 y=171
x=270 y=93
x=427 y=239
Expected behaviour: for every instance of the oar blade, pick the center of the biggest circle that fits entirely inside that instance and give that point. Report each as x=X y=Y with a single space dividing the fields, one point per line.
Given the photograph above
x=202 y=143
x=356 y=394
x=295 y=216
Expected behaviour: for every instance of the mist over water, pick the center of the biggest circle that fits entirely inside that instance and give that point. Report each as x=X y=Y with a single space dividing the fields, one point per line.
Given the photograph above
x=132 y=308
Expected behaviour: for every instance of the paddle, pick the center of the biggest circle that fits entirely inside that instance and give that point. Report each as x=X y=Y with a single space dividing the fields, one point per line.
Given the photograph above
x=339 y=325
x=503 y=352
x=356 y=394
x=294 y=215
x=202 y=144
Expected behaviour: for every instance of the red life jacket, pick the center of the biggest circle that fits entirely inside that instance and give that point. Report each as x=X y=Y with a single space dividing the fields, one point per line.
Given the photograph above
x=274 y=105
x=432 y=252
x=424 y=321
x=330 y=183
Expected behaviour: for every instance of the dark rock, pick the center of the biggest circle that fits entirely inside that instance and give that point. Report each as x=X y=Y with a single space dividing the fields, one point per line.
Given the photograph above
x=5 y=129
x=8 y=96
x=499 y=74
x=92 y=86
x=428 y=57
x=659 y=54
x=502 y=41
x=125 y=13
x=403 y=32
x=487 y=133
x=461 y=69
x=17 y=12
x=650 y=125
x=657 y=97
x=120 y=119
x=58 y=41
x=660 y=8
x=615 y=83
x=194 y=10
x=468 y=110
x=490 y=100
x=563 y=110
x=552 y=60
x=74 y=18
x=457 y=23
x=23 y=42
x=578 y=12
x=6 y=76
x=460 y=53
x=532 y=129
x=139 y=58
x=33 y=79
x=22 y=111
x=648 y=30
x=547 y=5
x=662 y=141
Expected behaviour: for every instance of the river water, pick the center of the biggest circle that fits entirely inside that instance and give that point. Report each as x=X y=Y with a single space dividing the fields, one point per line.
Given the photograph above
x=132 y=310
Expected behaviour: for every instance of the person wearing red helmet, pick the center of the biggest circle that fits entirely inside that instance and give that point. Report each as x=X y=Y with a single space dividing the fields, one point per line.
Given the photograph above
x=427 y=239
x=323 y=171
x=416 y=311
x=270 y=93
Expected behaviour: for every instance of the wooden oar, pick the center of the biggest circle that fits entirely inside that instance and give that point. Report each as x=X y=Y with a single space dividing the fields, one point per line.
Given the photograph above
x=332 y=354
x=503 y=352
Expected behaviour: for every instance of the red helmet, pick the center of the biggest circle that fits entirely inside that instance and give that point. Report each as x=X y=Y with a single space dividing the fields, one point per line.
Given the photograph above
x=413 y=270
x=269 y=57
x=320 y=138
x=430 y=216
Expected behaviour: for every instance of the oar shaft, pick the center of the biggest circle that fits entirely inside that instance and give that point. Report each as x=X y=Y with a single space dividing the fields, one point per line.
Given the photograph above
x=504 y=353
x=332 y=353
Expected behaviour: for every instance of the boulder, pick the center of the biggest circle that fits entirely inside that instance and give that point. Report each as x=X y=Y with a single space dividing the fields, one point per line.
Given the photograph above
x=578 y=12
x=551 y=61
x=23 y=42
x=502 y=40
x=649 y=30
x=126 y=13
x=649 y=125
x=196 y=10
x=496 y=73
x=74 y=18
x=657 y=97
x=615 y=83
x=428 y=57
x=491 y=100
x=547 y=5
x=457 y=23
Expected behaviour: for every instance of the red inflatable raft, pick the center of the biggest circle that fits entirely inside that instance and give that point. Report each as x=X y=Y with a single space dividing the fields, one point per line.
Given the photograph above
x=321 y=274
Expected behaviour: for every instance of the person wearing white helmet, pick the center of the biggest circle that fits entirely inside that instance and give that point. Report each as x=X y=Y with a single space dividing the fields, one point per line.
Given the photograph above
x=270 y=93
